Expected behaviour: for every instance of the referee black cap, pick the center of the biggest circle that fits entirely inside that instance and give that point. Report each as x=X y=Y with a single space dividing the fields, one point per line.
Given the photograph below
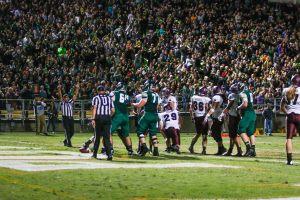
x=100 y=88
x=65 y=95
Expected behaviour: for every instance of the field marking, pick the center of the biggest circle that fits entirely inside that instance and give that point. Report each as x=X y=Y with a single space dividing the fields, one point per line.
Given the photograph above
x=280 y=185
x=40 y=188
x=13 y=147
x=27 y=165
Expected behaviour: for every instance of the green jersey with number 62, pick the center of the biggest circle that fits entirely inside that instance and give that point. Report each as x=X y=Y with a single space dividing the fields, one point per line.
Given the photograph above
x=247 y=96
x=152 y=100
x=120 y=101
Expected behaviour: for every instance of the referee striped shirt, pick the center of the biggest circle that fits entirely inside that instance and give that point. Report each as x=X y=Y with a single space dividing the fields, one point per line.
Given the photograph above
x=103 y=103
x=67 y=108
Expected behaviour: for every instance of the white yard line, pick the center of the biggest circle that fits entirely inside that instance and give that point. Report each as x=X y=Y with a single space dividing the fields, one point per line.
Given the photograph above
x=27 y=165
x=12 y=147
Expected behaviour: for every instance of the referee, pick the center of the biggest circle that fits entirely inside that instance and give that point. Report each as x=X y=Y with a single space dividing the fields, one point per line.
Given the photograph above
x=102 y=111
x=67 y=106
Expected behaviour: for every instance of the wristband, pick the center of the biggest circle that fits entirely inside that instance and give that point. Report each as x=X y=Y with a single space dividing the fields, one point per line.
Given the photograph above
x=212 y=110
x=222 y=114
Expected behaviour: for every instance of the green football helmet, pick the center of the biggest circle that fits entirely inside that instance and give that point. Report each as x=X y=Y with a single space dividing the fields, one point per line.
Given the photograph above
x=121 y=87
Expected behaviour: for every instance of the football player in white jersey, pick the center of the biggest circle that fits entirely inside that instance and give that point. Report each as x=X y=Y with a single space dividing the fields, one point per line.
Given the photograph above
x=234 y=119
x=292 y=111
x=170 y=123
x=218 y=101
x=199 y=107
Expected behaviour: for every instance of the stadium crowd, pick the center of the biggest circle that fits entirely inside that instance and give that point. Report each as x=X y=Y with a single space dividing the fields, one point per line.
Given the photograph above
x=175 y=43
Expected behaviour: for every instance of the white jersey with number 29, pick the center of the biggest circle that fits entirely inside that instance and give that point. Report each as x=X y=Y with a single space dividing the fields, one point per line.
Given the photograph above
x=169 y=119
x=198 y=103
x=293 y=106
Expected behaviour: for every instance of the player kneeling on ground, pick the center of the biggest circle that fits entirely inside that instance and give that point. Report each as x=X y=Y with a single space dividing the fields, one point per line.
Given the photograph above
x=170 y=123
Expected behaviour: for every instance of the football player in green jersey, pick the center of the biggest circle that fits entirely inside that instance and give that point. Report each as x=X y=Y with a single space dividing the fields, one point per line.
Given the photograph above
x=247 y=123
x=121 y=117
x=151 y=102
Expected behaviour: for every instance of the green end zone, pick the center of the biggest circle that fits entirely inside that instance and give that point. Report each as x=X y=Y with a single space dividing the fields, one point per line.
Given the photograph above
x=265 y=176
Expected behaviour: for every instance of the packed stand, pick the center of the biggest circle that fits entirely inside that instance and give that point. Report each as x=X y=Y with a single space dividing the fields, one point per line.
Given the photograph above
x=173 y=43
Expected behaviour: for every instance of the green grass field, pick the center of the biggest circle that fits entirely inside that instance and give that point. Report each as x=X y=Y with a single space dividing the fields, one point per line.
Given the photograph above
x=265 y=176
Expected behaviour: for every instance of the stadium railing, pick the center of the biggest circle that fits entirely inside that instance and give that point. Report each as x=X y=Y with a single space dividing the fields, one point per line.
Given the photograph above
x=23 y=109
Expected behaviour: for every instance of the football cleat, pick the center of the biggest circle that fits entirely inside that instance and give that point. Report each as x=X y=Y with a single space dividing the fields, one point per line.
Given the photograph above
x=177 y=150
x=112 y=152
x=227 y=154
x=103 y=151
x=84 y=150
x=65 y=142
x=168 y=150
x=221 y=152
x=138 y=152
x=144 y=151
x=130 y=153
x=191 y=149
x=109 y=157
x=93 y=156
x=249 y=152
x=239 y=154
x=289 y=163
x=253 y=154
x=85 y=145
x=203 y=152
x=155 y=153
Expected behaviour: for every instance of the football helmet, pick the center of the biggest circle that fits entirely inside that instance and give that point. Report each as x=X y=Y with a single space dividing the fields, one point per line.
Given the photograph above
x=166 y=92
x=203 y=91
x=217 y=90
x=167 y=107
x=121 y=87
x=296 y=80
x=234 y=89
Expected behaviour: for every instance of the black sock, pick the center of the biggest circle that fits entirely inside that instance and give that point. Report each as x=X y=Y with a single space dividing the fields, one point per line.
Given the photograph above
x=289 y=157
x=230 y=150
x=155 y=149
x=150 y=147
x=144 y=146
x=239 y=149
x=192 y=144
x=204 y=148
x=253 y=147
x=139 y=148
x=89 y=142
x=247 y=145
x=129 y=148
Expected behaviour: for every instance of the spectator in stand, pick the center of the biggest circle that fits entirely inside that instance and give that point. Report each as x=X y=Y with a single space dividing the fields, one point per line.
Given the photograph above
x=10 y=103
x=52 y=116
x=261 y=100
x=43 y=93
x=26 y=95
x=268 y=114
x=40 y=112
